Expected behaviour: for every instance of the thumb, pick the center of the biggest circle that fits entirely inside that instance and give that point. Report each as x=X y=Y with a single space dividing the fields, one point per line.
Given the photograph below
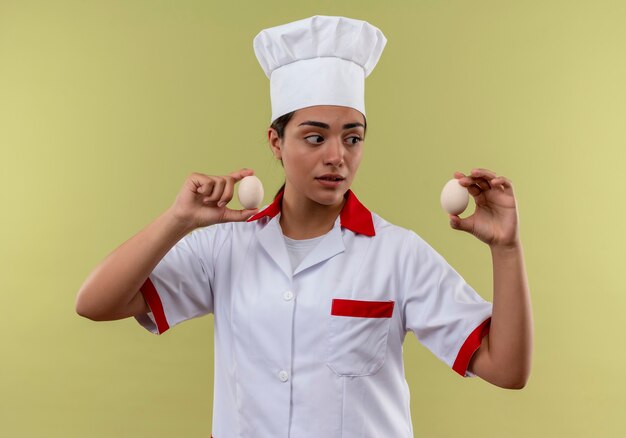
x=239 y=215
x=457 y=223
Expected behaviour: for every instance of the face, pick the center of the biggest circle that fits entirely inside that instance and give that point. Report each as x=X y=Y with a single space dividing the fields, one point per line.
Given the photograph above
x=321 y=152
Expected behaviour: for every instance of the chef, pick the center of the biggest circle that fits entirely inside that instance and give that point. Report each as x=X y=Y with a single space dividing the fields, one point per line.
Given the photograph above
x=313 y=294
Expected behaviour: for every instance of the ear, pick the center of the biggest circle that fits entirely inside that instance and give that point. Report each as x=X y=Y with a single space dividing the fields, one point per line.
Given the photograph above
x=275 y=143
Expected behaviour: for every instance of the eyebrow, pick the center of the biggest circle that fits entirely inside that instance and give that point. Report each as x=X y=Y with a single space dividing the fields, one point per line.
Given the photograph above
x=325 y=126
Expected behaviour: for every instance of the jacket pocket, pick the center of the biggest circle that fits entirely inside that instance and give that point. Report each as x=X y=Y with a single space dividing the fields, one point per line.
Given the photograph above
x=357 y=336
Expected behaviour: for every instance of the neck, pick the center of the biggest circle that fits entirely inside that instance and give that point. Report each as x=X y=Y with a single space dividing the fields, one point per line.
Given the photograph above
x=302 y=218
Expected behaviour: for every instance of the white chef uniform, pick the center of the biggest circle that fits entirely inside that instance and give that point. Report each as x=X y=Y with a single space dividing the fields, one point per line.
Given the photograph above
x=316 y=351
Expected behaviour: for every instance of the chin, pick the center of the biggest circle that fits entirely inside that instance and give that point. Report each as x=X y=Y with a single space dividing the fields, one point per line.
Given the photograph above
x=330 y=198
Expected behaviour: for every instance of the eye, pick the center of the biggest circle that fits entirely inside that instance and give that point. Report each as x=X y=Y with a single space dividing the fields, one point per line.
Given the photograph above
x=354 y=140
x=358 y=139
x=315 y=136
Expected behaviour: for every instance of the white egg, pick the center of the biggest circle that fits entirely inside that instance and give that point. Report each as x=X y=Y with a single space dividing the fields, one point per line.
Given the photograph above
x=454 y=197
x=250 y=192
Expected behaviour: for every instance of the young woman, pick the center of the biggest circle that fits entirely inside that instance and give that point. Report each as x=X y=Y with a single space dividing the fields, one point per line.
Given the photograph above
x=313 y=295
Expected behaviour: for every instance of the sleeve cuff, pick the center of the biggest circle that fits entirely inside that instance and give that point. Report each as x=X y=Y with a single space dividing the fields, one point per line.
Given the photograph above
x=471 y=344
x=156 y=306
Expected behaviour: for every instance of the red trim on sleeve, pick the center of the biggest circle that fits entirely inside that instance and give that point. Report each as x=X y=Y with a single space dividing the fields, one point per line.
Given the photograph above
x=362 y=309
x=470 y=346
x=154 y=301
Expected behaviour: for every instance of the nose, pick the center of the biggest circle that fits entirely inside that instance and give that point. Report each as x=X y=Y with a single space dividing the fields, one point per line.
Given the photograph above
x=334 y=153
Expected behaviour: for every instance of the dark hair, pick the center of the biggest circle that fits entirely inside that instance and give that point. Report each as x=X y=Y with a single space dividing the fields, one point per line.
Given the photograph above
x=281 y=123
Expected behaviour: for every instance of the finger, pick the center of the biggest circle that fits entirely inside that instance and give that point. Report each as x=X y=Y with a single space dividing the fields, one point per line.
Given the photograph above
x=485 y=173
x=239 y=215
x=482 y=183
x=241 y=174
x=227 y=195
x=502 y=182
x=474 y=190
x=466 y=181
x=205 y=187
x=197 y=180
x=218 y=189
x=475 y=187
x=466 y=224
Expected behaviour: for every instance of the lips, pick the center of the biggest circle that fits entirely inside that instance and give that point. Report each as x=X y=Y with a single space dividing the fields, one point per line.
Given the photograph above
x=330 y=177
x=331 y=180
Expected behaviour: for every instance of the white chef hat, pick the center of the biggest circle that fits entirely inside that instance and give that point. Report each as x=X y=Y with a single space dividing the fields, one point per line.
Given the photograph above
x=321 y=60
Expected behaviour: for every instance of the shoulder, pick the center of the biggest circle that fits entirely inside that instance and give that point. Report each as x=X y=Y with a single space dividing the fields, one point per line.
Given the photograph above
x=232 y=232
x=212 y=236
x=226 y=229
x=407 y=241
x=215 y=240
x=387 y=231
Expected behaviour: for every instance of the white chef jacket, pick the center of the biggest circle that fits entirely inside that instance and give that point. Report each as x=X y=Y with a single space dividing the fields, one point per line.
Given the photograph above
x=316 y=351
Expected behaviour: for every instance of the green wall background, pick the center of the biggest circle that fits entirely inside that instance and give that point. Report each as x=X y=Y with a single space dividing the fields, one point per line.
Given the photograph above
x=106 y=107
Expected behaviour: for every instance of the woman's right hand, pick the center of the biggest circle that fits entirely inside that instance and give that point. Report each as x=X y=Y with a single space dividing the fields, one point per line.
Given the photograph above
x=202 y=200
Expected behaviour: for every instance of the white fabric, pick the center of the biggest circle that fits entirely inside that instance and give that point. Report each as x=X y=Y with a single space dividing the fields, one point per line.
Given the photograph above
x=286 y=367
x=321 y=60
x=299 y=248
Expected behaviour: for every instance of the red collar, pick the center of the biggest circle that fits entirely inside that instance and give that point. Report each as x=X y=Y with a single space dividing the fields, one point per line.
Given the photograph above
x=354 y=216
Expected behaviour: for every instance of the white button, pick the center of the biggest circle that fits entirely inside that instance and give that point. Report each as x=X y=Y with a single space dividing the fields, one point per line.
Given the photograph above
x=283 y=376
x=288 y=295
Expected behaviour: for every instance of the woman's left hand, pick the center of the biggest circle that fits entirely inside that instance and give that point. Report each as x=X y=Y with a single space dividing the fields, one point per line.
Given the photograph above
x=495 y=220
